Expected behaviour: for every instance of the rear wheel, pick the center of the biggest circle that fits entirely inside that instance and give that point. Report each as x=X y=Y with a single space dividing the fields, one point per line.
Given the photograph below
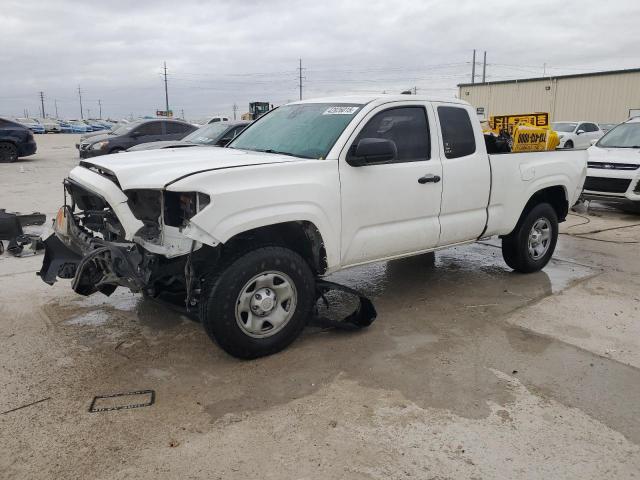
x=258 y=302
x=532 y=243
x=8 y=152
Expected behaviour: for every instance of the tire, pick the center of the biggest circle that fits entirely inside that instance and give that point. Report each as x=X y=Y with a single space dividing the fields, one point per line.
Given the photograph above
x=568 y=144
x=241 y=287
x=8 y=152
x=525 y=249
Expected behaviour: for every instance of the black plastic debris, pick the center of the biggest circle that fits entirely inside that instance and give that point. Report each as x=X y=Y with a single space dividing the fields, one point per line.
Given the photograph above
x=363 y=315
x=11 y=230
x=122 y=401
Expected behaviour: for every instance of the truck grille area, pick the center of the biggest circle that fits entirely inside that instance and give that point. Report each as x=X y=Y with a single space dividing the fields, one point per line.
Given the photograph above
x=93 y=213
x=610 y=185
x=613 y=166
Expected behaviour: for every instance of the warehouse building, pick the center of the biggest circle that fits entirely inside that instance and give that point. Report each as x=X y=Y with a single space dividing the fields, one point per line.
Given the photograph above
x=605 y=97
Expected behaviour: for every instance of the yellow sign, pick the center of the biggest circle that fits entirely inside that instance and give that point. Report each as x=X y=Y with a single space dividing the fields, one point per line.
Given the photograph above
x=508 y=122
x=530 y=138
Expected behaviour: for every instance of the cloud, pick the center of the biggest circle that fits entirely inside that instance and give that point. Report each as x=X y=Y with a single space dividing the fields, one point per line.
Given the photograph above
x=224 y=52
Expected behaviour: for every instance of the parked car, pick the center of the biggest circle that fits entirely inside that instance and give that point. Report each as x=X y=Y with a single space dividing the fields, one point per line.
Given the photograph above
x=50 y=125
x=16 y=140
x=218 y=118
x=65 y=127
x=133 y=134
x=31 y=123
x=308 y=189
x=215 y=134
x=78 y=126
x=605 y=127
x=614 y=166
x=577 y=134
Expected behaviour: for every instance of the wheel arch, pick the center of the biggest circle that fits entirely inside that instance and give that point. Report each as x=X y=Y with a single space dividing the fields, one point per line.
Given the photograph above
x=303 y=237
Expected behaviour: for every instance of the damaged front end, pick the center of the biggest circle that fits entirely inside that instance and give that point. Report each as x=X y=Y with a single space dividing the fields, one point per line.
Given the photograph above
x=92 y=247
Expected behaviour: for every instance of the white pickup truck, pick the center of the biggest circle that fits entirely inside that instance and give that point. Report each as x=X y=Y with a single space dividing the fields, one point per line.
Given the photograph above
x=310 y=188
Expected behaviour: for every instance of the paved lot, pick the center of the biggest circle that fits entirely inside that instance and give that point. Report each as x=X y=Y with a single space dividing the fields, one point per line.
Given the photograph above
x=470 y=371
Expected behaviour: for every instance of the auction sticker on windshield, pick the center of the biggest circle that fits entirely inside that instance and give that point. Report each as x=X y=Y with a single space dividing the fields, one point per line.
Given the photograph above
x=341 y=110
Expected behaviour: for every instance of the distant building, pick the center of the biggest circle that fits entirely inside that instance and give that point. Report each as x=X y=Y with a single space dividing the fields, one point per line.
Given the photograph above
x=605 y=97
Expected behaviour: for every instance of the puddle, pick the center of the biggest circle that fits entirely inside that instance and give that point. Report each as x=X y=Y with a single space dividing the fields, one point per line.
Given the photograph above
x=91 y=318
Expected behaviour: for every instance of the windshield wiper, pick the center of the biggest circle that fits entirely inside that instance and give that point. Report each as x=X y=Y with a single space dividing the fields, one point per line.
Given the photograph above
x=269 y=150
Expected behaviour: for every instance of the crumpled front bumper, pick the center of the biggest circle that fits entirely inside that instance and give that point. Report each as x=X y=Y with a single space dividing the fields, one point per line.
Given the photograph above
x=95 y=265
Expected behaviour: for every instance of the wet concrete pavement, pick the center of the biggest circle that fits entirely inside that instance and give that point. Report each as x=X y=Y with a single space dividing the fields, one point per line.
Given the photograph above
x=470 y=371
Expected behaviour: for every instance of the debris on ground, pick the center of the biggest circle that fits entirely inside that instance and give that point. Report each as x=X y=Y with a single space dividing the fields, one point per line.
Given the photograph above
x=12 y=230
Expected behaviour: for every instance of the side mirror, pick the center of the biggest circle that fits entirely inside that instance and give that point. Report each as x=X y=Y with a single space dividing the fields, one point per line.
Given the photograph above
x=579 y=132
x=372 y=150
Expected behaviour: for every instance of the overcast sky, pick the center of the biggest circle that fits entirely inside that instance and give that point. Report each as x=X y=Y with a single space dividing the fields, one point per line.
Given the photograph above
x=223 y=52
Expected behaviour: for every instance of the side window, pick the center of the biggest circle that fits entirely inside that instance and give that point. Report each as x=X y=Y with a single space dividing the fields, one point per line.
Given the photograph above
x=592 y=127
x=457 y=133
x=583 y=126
x=234 y=133
x=176 y=127
x=151 y=128
x=407 y=127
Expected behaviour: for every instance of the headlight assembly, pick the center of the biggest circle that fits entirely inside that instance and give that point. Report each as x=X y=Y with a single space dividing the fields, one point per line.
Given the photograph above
x=100 y=145
x=181 y=206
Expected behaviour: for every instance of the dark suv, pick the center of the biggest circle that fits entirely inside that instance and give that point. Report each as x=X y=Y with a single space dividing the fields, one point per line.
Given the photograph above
x=15 y=141
x=131 y=134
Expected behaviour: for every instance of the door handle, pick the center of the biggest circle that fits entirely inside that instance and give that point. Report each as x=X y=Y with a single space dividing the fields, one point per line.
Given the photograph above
x=429 y=178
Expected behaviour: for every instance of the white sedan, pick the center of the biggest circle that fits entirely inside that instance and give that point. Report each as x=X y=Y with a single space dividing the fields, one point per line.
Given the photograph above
x=614 y=165
x=577 y=134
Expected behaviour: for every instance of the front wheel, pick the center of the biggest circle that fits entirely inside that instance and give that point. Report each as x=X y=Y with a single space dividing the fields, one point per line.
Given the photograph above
x=532 y=243
x=8 y=152
x=259 y=302
x=569 y=144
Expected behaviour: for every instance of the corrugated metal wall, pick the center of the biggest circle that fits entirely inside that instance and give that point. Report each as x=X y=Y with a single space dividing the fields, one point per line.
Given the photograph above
x=600 y=98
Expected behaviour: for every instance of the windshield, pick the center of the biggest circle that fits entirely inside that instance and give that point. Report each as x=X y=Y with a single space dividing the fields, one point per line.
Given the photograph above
x=625 y=135
x=306 y=130
x=564 y=127
x=208 y=134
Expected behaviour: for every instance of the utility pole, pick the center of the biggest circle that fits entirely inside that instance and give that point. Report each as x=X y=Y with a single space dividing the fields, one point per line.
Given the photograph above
x=473 y=67
x=300 y=78
x=42 y=103
x=415 y=90
x=55 y=103
x=182 y=113
x=80 y=95
x=235 y=110
x=484 y=68
x=100 y=106
x=166 y=91
x=544 y=70
x=88 y=113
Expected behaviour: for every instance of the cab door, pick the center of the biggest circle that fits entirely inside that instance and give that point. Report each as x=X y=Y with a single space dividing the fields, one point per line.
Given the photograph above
x=466 y=174
x=390 y=208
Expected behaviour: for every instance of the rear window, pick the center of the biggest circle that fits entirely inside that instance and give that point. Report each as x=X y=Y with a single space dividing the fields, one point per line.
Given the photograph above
x=457 y=133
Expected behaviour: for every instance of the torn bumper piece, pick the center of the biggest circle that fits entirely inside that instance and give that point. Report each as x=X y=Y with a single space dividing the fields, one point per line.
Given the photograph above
x=94 y=264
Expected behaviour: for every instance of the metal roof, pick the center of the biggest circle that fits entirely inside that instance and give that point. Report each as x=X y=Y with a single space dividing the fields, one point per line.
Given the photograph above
x=552 y=77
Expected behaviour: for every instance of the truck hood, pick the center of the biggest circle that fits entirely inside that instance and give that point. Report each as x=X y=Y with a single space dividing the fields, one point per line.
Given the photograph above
x=158 y=168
